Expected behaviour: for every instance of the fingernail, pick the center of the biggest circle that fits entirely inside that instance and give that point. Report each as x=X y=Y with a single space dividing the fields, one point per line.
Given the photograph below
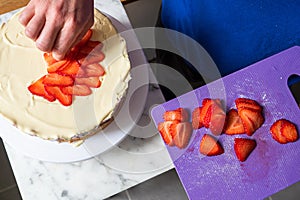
x=57 y=56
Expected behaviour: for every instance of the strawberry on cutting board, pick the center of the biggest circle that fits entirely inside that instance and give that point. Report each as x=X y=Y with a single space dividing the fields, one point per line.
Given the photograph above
x=212 y=115
x=196 y=122
x=179 y=114
x=176 y=130
x=210 y=146
x=243 y=147
x=233 y=123
x=182 y=134
x=175 y=133
x=284 y=131
x=165 y=129
x=250 y=113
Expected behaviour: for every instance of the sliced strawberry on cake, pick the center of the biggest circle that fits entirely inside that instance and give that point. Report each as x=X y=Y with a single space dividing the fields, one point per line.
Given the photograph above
x=54 y=79
x=233 y=123
x=92 y=82
x=250 y=113
x=284 y=131
x=77 y=90
x=64 y=99
x=179 y=114
x=70 y=69
x=209 y=146
x=94 y=70
x=38 y=88
x=243 y=147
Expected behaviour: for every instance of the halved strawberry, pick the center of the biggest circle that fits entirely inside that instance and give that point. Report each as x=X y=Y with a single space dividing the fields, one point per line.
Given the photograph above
x=180 y=114
x=183 y=132
x=55 y=91
x=54 y=79
x=93 y=82
x=252 y=119
x=233 y=123
x=196 y=123
x=243 y=148
x=77 y=90
x=284 y=131
x=165 y=131
x=95 y=70
x=212 y=115
x=210 y=146
x=38 y=88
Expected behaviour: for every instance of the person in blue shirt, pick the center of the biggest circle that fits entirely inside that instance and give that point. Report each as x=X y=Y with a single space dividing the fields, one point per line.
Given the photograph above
x=234 y=33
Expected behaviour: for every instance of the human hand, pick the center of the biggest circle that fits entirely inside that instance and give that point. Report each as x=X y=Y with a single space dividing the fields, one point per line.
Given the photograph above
x=57 y=25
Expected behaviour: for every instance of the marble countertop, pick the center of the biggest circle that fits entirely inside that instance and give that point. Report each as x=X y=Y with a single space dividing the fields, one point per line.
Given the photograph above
x=133 y=161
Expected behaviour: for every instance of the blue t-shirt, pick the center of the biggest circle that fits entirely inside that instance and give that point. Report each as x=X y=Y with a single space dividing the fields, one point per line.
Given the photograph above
x=236 y=33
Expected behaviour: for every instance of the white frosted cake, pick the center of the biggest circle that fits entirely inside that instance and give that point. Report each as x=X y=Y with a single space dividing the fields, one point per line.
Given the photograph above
x=21 y=63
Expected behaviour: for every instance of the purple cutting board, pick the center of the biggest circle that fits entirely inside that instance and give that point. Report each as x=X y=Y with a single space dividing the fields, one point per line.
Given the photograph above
x=271 y=166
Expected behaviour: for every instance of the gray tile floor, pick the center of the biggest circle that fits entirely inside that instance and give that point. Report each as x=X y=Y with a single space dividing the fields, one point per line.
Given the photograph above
x=166 y=186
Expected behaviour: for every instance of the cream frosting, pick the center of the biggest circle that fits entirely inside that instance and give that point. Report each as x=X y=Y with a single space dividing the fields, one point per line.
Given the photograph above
x=21 y=63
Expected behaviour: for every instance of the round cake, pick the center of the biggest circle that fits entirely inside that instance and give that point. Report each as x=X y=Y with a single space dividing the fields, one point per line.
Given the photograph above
x=22 y=64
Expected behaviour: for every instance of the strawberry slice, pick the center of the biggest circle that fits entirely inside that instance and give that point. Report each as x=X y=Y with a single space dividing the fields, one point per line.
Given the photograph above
x=77 y=90
x=54 y=79
x=93 y=82
x=247 y=103
x=196 y=123
x=95 y=70
x=38 y=88
x=183 y=132
x=49 y=58
x=243 y=148
x=251 y=119
x=83 y=40
x=209 y=146
x=212 y=115
x=284 y=131
x=54 y=67
x=55 y=91
x=166 y=131
x=180 y=114
x=70 y=69
x=233 y=123
x=91 y=59
x=91 y=47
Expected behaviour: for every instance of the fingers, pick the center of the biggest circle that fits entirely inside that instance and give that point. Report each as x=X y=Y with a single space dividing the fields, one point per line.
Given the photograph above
x=26 y=15
x=48 y=35
x=66 y=39
x=34 y=26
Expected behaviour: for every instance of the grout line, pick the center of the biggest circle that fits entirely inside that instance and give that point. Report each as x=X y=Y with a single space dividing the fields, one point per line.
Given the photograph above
x=127 y=194
x=8 y=188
